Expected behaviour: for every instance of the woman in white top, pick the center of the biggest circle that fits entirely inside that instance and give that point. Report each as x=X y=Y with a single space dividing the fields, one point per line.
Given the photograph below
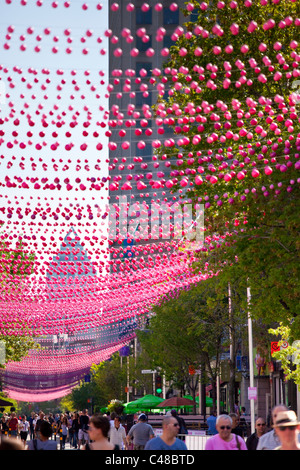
x=23 y=429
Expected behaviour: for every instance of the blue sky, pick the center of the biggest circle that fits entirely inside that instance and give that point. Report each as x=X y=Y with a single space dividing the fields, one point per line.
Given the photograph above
x=78 y=73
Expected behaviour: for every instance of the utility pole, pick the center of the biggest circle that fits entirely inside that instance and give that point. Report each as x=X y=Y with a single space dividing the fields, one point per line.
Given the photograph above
x=251 y=372
x=127 y=379
x=232 y=354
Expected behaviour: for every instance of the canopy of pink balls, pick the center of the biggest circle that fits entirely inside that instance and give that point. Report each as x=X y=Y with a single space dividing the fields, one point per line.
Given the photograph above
x=57 y=281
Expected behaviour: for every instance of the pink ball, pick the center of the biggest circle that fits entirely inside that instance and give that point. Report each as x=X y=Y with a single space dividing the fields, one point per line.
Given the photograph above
x=255 y=173
x=245 y=49
x=198 y=51
x=198 y=180
x=235 y=29
x=252 y=27
x=229 y=49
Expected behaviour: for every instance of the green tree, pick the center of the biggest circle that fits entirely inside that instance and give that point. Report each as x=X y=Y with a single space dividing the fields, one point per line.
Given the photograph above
x=288 y=356
x=110 y=379
x=229 y=99
x=15 y=267
x=195 y=327
x=84 y=396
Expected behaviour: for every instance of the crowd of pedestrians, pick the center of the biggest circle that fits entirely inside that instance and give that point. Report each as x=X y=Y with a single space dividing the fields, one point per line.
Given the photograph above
x=97 y=432
x=45 y=431
x=84 y=432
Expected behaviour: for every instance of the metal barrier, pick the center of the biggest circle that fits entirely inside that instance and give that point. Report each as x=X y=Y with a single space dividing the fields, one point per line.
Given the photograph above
x=195 y=441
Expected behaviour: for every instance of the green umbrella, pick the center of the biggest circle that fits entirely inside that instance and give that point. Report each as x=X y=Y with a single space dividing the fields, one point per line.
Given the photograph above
x=129 y=406
x=150 y=401
x=131 y=410
x=145 y=403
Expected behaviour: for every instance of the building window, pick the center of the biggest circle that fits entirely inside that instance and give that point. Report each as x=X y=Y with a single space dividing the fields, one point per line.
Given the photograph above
x=141 y=100
x=143 y=17
x=143 y=65
x=171 y=17
x=146 y=152
x=143 y=46
x=168 y=42
x=194 y=15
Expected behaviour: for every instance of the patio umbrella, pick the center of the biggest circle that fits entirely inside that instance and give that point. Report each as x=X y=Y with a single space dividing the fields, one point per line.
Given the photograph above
x=5 y=402
x=176 y=402
x=131 y=410
x=130 y=406
x=145 y=403
x=150 y=401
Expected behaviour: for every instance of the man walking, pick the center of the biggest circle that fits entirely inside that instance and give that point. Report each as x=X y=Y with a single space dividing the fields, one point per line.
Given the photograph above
x=141 y=433
x=84 y=420
x=260 y=430
x=168 y=440
x=117 y=434
x=270 y=440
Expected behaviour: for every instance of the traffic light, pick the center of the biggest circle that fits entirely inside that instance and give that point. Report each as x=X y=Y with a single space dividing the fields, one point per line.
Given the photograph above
x=158 y=384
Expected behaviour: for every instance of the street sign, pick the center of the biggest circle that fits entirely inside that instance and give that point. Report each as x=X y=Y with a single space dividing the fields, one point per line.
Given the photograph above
x=276 y=346
x=148 y=371
x=252 y=393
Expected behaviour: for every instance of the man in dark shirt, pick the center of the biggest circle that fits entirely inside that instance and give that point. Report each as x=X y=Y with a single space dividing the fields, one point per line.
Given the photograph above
x=31 y=425
x=83 y=427
x=38 y=424
x=260 y=429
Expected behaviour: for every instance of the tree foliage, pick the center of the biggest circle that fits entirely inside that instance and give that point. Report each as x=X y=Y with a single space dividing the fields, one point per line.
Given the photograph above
x=230 y=102
x=195 y=328
x=15 y=266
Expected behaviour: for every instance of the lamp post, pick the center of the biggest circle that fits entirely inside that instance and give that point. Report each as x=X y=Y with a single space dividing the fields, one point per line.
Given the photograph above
x=251 y=373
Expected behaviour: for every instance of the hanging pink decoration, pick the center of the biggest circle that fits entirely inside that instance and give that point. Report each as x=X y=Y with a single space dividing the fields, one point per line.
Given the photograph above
x=83 y=149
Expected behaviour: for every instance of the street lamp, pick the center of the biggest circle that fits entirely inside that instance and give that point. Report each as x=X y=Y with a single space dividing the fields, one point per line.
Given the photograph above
x=250 y=339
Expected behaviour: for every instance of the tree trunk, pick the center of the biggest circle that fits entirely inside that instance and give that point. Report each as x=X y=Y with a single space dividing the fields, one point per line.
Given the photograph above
x=214 y=395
